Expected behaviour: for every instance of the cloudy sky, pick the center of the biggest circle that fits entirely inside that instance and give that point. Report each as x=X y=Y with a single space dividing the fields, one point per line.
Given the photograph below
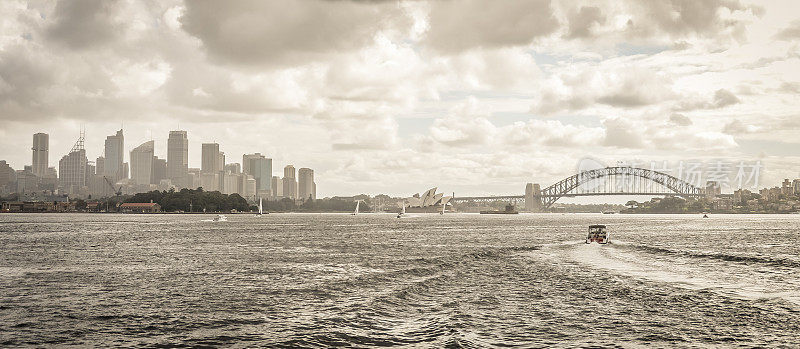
x=476 y=97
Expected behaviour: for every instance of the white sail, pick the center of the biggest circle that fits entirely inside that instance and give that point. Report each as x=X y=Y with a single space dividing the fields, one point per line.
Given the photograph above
x=404 y=207
x=260 y=207
x=357 y=204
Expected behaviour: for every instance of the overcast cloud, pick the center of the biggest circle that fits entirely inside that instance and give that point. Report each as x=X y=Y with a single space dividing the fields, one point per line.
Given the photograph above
x=476 y=97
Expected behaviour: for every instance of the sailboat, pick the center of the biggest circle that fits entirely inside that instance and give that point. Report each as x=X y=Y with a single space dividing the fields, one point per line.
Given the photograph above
x=443 y=206
x=260 y=207
x=403 y=211
x=356 y=211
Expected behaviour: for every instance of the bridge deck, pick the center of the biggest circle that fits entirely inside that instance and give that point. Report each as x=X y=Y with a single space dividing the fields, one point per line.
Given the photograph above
x=570 y=195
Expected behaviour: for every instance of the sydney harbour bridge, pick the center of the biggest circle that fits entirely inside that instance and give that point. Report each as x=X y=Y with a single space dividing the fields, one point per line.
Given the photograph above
x=598 y=182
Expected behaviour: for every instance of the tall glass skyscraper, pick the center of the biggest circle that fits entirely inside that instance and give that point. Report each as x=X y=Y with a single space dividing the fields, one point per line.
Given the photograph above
x=178 y=158
x=115 y=157
x=41 y=146
x=260 y=167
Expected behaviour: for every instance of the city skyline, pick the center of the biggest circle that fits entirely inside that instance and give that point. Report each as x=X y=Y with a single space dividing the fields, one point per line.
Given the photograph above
x=413 y=100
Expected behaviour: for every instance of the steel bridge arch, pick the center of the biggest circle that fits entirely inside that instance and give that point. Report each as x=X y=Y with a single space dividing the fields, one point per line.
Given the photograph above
x=563 y=187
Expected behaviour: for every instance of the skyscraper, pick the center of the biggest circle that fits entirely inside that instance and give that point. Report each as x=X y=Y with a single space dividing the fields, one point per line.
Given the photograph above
x=72 y=169
x=260 y=168
x=100 y=165
x=178 y=158
x=210 y=158
x=115 y=157
x=6 y=174
x=142 y=163
x=277 y=187
x=41 y=146
x=159 y=170
x=221 y=162
x=289 y=182
x=306 y=189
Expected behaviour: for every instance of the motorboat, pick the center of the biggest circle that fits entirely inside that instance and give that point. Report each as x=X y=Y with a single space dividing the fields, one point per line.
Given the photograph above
x=220 y=218
x=598 y=234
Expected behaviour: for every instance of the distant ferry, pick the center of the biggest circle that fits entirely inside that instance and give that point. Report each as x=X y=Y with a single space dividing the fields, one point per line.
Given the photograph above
x=509 y=210
x=598 y=234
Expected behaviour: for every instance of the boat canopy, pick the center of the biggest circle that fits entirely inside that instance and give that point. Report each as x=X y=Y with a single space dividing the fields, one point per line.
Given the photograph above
x=597 y=226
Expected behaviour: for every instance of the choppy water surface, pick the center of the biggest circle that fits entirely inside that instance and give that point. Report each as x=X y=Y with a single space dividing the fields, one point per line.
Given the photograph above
x=458 y=280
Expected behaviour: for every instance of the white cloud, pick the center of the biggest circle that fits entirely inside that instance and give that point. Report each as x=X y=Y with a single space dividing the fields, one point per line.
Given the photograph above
x=473 y=94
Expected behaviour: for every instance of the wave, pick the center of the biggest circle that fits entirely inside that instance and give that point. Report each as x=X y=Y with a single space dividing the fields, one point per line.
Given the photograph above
x=775 y=261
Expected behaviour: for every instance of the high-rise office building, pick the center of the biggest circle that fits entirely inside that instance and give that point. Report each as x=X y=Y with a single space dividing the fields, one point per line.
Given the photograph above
x=142 y=163
x=6 y=174
x=221 y=162
x=72 y=169
x=277 y=187
x=289 y=182
x=210 y=158
x=99 y=165
x=233 y=168
x=306 y=189
x=260 y=167
x=178 y=158
x=115 y=157
x=41 y=146
x=159 y=172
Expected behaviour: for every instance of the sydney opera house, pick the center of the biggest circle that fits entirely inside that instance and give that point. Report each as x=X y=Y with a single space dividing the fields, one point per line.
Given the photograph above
x=428 y=202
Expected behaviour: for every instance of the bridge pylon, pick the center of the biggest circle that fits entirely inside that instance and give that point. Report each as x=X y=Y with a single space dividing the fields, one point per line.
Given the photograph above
x=533 y=197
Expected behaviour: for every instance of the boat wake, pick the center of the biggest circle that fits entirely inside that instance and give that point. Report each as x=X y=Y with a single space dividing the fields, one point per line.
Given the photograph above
x=744 y=277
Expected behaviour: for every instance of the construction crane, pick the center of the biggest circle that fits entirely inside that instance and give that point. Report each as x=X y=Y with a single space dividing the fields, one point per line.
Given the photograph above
x=117 y=191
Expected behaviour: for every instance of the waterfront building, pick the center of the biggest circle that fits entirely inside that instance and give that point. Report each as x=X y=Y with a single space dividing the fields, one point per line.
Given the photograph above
x=40 y=161
x=306 y=188
x=178 y=158
x=114 y=167
x=142 y=163
x=140 y=207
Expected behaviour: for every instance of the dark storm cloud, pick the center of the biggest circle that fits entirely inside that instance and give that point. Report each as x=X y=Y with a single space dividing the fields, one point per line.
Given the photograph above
x=23 y=80
x=81 y=24
x=465 y=24
x=288 y=32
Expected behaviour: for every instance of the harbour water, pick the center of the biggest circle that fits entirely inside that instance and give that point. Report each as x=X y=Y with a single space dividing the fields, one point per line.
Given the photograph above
x=454 y=280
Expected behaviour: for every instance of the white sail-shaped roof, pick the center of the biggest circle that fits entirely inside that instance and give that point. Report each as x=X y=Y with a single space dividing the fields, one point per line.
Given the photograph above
x=436 y=198
x=427 y=199
x=414 y=202
x=446 y=199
